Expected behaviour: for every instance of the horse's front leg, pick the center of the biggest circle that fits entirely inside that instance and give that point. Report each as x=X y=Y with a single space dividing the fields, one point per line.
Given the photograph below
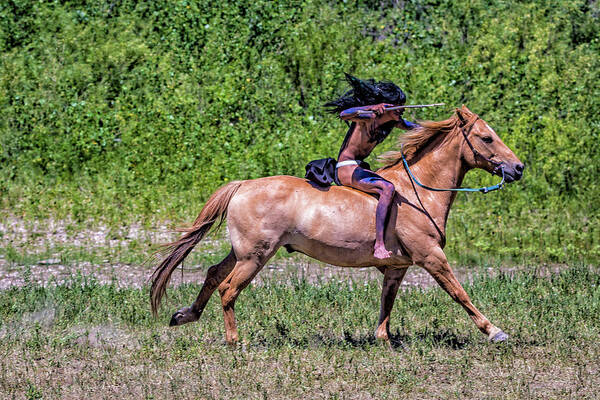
x=392 y=278
x=437 y=265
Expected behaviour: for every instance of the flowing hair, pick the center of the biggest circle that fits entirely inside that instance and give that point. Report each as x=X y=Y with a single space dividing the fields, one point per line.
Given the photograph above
x=364 y=93
x=367 y=92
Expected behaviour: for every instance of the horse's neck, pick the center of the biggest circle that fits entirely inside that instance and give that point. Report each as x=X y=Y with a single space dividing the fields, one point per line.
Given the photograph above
x=442 y=168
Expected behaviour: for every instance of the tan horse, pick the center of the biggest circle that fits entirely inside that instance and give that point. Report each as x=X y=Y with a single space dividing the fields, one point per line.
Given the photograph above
x=336 y=225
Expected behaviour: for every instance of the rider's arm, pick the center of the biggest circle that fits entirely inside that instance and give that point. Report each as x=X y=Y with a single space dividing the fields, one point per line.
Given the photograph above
x=354 y=114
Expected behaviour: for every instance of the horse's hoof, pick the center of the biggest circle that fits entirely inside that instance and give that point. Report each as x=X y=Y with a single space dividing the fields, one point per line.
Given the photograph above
x=174 y=319
x=182 y=316
x=499 y=337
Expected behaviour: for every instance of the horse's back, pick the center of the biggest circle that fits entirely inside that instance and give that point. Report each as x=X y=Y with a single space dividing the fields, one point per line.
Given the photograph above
x=279 y=184
x=295 y=197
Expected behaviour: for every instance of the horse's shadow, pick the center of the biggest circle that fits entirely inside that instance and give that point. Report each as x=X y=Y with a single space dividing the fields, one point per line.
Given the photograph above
x=400 y=341
x=397 y=342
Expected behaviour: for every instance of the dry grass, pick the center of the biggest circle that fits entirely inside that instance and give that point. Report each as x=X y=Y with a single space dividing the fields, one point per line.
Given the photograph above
x=75 y=323
x=301 y=340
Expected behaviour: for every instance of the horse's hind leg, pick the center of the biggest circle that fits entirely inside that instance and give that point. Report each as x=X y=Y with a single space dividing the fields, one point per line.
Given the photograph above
x=392 y=278
x=215 y=275
x=242 y=274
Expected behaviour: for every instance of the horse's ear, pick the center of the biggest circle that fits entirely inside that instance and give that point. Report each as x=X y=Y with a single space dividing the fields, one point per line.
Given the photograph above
x=460 y=117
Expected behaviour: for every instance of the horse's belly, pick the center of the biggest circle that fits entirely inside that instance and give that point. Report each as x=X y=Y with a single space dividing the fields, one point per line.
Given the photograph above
x=361 y=256
x=342 y=234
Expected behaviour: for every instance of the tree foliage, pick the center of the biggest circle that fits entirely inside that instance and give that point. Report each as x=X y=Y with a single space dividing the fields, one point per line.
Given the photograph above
x=145 y=106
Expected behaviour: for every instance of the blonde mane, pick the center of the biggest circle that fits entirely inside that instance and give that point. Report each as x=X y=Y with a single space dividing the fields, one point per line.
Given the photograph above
x=417 y=139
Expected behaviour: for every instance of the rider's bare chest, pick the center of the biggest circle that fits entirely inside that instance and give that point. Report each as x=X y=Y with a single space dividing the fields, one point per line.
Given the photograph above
x=359 y=145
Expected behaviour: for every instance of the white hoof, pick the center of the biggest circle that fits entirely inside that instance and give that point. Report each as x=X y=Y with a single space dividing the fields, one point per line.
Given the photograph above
x=499 y=337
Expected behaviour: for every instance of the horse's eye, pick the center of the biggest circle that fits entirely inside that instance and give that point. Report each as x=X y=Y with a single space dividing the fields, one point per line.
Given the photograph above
x=487 y=139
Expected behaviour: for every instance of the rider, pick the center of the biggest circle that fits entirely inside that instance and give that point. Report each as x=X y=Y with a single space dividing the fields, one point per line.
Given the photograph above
x=365 y=106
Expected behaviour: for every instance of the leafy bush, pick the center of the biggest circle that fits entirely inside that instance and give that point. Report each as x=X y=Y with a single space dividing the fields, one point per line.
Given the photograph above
x=115 y=108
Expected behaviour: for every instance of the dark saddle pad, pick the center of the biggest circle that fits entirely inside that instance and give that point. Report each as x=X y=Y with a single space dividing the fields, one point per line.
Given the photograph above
x=323 y=172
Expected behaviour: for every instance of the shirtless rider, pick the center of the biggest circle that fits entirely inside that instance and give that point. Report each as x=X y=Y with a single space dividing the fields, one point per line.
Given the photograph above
x=365 y=107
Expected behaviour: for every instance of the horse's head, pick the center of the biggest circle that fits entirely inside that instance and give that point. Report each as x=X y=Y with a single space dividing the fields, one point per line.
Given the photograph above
x=484 y=149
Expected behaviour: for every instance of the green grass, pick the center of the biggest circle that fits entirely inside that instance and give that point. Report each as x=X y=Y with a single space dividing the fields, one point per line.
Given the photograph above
x=84 y=339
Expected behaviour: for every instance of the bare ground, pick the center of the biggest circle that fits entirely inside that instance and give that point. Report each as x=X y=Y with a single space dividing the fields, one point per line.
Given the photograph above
x=33 y=239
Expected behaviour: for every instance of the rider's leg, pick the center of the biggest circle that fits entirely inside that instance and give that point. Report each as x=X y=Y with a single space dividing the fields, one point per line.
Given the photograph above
x=370 y=182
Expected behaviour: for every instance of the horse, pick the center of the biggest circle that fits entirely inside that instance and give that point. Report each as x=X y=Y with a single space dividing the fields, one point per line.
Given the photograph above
x=336 y=225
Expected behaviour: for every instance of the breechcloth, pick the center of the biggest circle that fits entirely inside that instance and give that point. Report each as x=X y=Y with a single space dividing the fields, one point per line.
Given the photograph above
x=347 y=162
x=324 y=172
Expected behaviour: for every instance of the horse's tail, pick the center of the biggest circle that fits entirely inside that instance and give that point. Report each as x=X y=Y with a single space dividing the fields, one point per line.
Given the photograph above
x=214 y=209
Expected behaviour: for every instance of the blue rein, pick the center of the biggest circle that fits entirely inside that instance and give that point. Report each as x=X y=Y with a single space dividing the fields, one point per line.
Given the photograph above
x=486 y=189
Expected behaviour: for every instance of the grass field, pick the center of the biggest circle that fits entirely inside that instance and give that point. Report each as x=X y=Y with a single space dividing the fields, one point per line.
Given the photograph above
x=84 y=339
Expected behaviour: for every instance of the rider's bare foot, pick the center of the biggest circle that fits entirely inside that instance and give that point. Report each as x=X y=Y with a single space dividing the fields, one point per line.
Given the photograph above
x=381 y=252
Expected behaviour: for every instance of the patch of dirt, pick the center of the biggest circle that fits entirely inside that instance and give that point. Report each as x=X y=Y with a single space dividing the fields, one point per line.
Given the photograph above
x=106 y=336
x=23 y=235
x=18 y=233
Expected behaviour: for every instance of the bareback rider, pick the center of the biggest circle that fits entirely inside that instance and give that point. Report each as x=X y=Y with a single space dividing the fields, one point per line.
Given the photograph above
x=365 y=106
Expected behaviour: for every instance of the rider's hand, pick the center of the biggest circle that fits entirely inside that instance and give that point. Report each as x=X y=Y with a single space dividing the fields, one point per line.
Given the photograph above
x=365 y=112
x=378 y=109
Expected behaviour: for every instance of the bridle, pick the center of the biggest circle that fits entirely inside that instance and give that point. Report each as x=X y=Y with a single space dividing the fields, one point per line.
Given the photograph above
x=476 y=154
x=497 y=165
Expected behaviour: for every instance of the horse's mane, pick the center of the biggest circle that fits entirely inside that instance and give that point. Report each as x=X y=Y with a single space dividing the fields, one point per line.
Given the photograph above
x=413 y=141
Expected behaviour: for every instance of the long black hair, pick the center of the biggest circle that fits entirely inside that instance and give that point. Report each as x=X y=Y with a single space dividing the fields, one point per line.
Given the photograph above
x=366 y=92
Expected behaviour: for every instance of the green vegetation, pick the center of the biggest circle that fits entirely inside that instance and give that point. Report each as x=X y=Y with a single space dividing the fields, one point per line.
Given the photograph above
x=128 y=111
x=303 y=340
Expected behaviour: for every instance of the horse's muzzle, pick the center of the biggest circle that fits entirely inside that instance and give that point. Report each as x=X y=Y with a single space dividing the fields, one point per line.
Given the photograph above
x=512 y=172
